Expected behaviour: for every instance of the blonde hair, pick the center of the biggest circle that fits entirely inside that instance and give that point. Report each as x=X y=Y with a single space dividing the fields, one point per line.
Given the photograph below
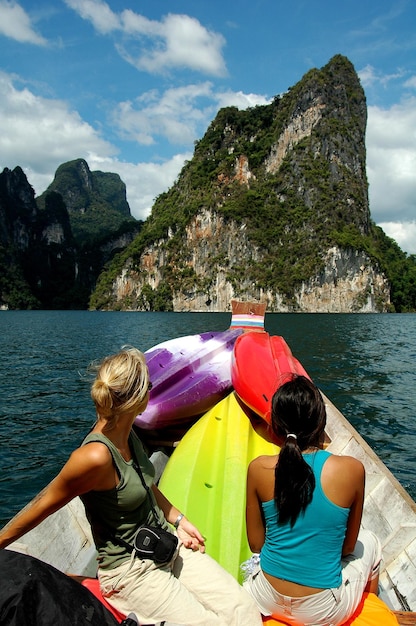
x=120 y=385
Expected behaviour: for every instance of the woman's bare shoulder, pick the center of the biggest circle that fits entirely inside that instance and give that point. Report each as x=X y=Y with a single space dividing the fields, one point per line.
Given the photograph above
x=94 y=455
x=346 y=463
x=264 y=462
x=343 y=479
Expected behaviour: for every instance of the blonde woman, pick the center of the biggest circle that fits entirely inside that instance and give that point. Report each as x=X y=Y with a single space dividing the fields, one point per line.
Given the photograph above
x=189 y=589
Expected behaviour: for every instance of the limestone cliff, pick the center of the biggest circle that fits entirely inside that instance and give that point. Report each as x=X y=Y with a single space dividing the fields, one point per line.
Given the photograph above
x=348 y=282
x=95 y=201
x=272 y=207
x=42 y=265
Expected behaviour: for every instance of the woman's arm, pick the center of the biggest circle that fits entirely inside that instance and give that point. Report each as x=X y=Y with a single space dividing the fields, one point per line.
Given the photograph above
x=187 y=532
x=343 y=482
x=82 y=472
x=356 y=474
x=254 y=516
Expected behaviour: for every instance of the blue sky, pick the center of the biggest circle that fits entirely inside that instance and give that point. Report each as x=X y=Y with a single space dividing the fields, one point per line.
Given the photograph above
x=130 y=85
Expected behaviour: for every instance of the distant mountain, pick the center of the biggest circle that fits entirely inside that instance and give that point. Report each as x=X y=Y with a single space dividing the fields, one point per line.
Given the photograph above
x=96 y=201
x=51 y=256
x=273 y=206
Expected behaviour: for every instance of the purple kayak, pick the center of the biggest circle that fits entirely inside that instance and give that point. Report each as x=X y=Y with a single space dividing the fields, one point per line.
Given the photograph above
x=189 y=375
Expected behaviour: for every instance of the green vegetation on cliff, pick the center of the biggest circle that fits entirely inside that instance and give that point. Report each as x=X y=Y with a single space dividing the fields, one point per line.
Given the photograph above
x=293 y=206
x=42 y=264
x=96 y=202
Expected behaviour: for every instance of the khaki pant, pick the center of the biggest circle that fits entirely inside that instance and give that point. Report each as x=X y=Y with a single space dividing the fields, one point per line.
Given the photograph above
x=192 y=590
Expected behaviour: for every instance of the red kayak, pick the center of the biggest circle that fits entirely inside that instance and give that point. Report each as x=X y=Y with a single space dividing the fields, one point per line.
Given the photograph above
x=261 y=364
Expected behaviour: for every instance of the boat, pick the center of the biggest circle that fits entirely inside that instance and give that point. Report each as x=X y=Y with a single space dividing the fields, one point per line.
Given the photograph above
x=64 y=539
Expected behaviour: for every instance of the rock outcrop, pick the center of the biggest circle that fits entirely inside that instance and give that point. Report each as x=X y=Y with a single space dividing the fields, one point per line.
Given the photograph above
x=349 y=281
x=42 y=264
x=272 y=207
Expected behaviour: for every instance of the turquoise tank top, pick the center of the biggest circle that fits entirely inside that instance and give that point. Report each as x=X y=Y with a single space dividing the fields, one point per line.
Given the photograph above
x=120 y=511
x=309 y=553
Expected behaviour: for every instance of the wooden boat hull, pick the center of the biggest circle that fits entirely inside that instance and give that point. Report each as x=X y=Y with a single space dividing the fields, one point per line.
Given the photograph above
x=64 y=539
x=389 y=511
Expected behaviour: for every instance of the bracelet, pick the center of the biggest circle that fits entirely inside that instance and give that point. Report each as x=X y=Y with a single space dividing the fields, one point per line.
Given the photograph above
x=178 y=520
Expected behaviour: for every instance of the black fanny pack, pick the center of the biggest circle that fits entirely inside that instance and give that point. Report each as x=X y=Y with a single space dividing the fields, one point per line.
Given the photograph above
x=152 y=542
x=156 y=543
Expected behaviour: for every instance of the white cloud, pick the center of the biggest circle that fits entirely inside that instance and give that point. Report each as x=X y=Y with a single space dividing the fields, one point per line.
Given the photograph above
x=367 y=76
x=411 y=82
x=176 y=41
x=39 y=134
x=240 y=99
x=370 y=77
x=98 y=13
x=404 y=233
x=179 y=114
x=391 y=162
x=15 y=23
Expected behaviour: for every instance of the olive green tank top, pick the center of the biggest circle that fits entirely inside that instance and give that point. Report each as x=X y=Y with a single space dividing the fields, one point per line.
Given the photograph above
x=120 y=511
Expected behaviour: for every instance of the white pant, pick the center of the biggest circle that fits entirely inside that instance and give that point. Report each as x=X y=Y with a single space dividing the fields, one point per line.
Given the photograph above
x=330 y=606
x=192 y=590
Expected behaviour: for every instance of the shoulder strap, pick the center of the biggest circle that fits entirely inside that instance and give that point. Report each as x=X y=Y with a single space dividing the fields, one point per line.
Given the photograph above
x=137 y=467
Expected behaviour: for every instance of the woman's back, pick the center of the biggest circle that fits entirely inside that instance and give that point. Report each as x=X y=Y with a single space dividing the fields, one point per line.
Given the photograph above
x=334 y=517
x=309 y=552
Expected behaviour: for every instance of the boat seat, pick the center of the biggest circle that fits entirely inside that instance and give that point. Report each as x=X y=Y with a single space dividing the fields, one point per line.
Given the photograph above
x=370 y=612
x=93 y=585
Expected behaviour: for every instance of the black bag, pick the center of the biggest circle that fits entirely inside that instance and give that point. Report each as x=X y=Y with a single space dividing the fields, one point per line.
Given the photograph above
x=151 y=542
x=33 y=593
x=156 y=543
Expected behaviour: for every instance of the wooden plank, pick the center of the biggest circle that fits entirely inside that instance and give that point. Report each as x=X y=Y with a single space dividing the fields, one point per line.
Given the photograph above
x=406 y=618
x=239 y=307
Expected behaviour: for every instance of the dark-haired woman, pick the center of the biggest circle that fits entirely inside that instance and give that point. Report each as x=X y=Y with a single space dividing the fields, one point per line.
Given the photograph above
x=304 y=511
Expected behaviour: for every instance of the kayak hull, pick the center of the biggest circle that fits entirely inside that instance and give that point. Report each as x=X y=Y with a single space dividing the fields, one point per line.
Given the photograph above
x=261 y=363
x=189 y=376
x=211 y=461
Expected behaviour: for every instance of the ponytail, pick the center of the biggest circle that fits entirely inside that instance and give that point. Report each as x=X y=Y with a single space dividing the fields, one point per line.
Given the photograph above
x=299 y=418
x=294 y=483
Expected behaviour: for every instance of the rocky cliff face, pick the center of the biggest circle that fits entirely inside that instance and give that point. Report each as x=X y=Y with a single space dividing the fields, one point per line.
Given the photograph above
x=272 y=207
x=96 y=202
x=33 y=245
x=18 y=211
x=349 y=281
x=41 y=263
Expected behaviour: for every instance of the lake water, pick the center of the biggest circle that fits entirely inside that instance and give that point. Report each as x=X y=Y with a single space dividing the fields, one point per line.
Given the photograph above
x=364 y=363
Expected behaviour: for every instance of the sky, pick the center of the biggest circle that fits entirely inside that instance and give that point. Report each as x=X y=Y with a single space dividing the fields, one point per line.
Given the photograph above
x=130 y=85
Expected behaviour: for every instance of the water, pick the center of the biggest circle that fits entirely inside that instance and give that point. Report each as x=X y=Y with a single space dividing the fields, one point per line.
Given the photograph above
x=363 y=363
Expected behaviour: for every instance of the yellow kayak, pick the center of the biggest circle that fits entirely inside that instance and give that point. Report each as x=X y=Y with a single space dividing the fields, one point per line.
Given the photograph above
x=206 y=478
